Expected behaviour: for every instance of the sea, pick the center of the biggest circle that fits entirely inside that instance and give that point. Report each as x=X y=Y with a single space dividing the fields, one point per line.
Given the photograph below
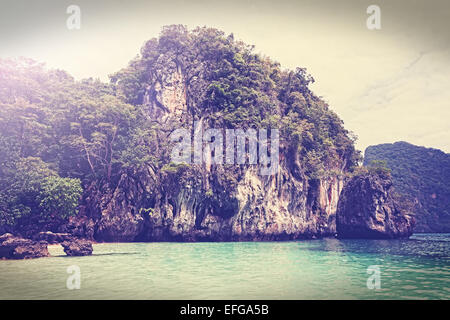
x=417 y=268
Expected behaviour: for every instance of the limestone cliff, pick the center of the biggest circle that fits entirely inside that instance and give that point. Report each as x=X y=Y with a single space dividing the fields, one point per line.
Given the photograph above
x=278 y=207
x=367 y=209
x=102 y=162
x=202 y=76
x=423 y=174
x=218 y=202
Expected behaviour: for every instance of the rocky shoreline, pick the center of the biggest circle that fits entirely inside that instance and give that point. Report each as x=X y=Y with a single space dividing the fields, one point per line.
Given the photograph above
x=129 y=188
x=363 y=207
x=14 y=247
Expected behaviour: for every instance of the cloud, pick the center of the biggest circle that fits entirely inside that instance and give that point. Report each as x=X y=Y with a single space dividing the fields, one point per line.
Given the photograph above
x=412 y=105
x=386 y=85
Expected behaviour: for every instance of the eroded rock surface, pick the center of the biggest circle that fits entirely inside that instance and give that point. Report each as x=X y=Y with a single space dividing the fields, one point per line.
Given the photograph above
x=367 y=209
x=52 y=237
x=77 y=247
x=12 y=247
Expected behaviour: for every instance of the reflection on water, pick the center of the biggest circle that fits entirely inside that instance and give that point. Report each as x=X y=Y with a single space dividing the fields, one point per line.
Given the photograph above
x=418 y=268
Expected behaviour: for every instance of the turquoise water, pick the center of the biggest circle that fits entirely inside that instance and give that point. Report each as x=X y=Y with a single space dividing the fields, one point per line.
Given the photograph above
x=418 y=268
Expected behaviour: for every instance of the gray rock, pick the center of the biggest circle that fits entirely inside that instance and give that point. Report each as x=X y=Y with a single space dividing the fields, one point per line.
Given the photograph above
x=77 y=247
x=12 y=247
x=120 y=221
x=51 y=237
x=367 y=209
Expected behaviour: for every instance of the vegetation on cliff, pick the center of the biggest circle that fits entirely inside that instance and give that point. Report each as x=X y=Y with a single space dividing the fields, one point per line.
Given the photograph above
x=57 y=136
x=230 y=86
x=370 y=208
x=60 y=138
x=423 y=174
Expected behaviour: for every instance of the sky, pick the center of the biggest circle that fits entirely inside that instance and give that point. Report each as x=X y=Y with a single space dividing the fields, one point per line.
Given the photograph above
x=387 y=85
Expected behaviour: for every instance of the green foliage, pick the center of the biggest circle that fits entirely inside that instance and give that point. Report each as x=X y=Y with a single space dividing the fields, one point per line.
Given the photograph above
x=209 y=193
x=422 y=174
x=58 y=135
x=59 y=196
x=380 y=168
x=33 y=190
x=375 y=168
x=230 y=86
x=173 y=167
x=147 y=211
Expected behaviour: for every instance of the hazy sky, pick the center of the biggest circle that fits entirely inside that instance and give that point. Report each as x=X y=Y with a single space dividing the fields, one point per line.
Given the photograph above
x=387 y=85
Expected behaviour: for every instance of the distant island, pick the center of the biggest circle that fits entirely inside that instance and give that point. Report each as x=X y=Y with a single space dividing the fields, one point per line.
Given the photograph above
x=423 y=174
x=92 y=160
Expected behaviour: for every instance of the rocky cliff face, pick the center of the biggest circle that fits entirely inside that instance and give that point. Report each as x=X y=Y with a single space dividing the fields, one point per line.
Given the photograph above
x=279 y=207
x=166 y=95
x=205 y=77
x=423 y=174
x=219 y=203
x=367 y=209
x=115 y=141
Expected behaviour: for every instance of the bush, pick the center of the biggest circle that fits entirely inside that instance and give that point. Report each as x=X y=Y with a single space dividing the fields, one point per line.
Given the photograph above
x=59 y=197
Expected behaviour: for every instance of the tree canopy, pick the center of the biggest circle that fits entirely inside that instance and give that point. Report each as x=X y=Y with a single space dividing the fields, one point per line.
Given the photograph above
x=61 y=138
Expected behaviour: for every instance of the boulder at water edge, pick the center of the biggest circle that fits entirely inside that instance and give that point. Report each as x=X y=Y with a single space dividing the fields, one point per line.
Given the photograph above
x=367 y=209
x=12 y=247
x=77 y=247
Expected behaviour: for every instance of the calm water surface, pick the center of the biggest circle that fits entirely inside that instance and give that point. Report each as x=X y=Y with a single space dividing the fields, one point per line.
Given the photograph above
x=418 y=268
